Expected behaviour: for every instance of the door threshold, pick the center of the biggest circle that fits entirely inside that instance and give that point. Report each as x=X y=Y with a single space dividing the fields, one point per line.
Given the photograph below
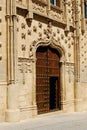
x=50 y=113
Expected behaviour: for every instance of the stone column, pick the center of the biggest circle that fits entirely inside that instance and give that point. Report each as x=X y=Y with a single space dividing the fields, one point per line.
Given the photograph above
x=62 y=84
x=77 y=53
x=34 y=88
x=12 y=112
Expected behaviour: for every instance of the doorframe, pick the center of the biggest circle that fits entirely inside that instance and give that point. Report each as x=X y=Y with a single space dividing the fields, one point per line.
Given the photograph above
x=53 y=44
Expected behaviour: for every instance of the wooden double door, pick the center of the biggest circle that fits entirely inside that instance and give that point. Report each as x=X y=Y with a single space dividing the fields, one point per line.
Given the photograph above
x=47 y=80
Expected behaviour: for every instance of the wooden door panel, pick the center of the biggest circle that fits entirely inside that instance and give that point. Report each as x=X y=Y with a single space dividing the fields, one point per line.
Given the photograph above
x=47 y=65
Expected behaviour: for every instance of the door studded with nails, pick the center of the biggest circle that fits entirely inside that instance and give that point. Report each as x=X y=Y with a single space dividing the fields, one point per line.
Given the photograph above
x=48 y=96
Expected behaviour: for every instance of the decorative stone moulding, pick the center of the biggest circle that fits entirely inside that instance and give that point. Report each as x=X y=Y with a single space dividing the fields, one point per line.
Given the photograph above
x=23 y=47
x=17 y=19
x=23 y=36
x=69 y=3
x=34 y=28
x=69 y=45
x=17 y=29
x=40 y=34
x=70 y=20
x=82 y=70
x=62 y=36
x=65 y=41
x=39 y=7
x=58 y=31
x=68 y=38
x=72 y=42
x=23 y=26
x=40 y=25
x=69 y=11
x=54 y=34
x=85 y=36
x=29 y=32
x=69 y=54
x=45 y=31
x=72 y=35
x=58 y=39
x=82 y=39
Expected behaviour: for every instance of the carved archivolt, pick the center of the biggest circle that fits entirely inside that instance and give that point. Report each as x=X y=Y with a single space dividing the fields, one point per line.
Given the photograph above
x=48 y=42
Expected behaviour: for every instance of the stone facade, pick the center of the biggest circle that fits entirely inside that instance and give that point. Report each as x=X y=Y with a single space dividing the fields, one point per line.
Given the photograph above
x=24 y=26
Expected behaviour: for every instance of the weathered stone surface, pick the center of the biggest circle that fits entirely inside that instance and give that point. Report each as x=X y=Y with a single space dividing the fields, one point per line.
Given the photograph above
x=26 y=25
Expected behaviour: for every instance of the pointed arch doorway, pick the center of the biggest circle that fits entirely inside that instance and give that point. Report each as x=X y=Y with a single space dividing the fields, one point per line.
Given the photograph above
x=48 y=97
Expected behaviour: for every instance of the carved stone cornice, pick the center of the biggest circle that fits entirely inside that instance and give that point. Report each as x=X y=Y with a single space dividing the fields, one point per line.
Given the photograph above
x=43 y=9
x=40 y=1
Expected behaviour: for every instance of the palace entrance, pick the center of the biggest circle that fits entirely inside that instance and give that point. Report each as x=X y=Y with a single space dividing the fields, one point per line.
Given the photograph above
x=48 y=96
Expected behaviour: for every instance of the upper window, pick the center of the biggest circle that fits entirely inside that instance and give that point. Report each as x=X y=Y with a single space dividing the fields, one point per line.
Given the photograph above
x=55 y=2
x=85 y=9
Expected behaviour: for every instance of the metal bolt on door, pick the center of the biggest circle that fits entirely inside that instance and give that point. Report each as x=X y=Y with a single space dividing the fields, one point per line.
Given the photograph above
x=47 y=79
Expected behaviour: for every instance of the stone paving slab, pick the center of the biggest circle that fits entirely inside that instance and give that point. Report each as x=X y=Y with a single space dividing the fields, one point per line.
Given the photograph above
x=54 y=121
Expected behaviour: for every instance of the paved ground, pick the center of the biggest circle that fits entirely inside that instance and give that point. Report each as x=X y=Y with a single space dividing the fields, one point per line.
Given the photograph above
x=53 y=121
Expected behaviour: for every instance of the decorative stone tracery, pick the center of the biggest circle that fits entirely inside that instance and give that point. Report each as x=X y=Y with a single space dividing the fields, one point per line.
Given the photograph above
x=54 y=44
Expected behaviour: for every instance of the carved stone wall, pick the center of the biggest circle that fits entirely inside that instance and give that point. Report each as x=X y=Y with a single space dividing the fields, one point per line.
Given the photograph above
x=2 y=61
x=83 y=58
x=27 y=26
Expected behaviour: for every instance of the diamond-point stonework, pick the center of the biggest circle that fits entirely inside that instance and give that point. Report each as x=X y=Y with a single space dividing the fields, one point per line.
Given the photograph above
x=42 y=50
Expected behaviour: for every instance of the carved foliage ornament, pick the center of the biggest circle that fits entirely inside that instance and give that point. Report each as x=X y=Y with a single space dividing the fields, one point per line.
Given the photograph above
x=24 y=66
x=45 y=42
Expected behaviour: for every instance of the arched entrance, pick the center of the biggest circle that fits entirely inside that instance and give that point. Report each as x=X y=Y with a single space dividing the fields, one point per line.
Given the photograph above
x=48 y=95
